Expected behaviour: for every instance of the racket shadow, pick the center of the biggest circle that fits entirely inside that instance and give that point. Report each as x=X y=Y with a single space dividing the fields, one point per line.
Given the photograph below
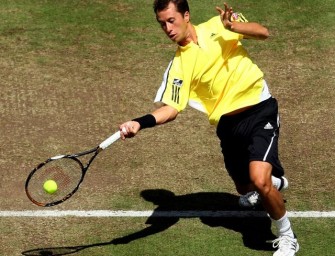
x=58 y=251
x=255 y=231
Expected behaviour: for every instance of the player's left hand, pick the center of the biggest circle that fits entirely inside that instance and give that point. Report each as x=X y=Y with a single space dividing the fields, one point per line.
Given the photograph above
x=225 y=15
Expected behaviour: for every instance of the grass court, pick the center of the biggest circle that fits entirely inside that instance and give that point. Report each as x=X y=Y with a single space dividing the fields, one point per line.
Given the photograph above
x=72 y=71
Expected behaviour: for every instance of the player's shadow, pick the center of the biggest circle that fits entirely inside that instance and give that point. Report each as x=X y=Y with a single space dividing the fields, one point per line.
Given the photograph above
x=255 y=231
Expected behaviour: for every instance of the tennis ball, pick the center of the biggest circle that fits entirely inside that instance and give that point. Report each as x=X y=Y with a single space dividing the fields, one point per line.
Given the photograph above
x=50 y=186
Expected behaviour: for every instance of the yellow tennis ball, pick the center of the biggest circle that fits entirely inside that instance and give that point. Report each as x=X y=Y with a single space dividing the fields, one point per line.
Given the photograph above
x=50 y=186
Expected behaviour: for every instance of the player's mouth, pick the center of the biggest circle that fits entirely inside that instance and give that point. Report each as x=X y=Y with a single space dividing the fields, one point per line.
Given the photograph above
x=172 y=36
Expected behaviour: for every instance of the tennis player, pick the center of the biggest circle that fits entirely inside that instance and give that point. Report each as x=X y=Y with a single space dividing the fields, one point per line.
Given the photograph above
x=212 y=72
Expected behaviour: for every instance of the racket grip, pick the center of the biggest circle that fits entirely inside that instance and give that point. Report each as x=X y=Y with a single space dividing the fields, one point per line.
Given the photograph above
x=110 y=140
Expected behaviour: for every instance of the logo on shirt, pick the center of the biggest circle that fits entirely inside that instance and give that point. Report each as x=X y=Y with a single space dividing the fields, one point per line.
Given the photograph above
x=213 y=34
x=176 y=85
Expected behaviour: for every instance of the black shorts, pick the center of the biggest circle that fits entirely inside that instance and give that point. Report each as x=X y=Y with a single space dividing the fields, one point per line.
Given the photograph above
x=250 y=136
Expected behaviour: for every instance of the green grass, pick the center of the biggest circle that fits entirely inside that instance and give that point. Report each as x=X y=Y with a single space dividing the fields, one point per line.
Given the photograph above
x=187 y=237
x=71 y=71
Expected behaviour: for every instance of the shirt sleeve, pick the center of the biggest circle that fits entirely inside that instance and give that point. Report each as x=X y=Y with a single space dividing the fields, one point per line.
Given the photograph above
x=173 y=91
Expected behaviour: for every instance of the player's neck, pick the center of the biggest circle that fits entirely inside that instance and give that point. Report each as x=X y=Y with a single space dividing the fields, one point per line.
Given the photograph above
x=191 y=36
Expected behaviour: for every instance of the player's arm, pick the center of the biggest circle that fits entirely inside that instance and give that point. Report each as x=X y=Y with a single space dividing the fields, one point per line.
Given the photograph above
x=165 y=114
x=159 y=116
x=251 y=30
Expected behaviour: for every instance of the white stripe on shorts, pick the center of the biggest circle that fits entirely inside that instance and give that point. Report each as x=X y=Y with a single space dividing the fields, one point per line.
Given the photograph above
x=268 y=150
x=274 y=135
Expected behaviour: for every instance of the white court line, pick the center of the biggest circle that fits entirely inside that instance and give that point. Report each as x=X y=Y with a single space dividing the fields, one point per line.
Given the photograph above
x=181 y=214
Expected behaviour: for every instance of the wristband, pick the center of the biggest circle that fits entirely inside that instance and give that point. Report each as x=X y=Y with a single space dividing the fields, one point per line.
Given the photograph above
x=146 y=121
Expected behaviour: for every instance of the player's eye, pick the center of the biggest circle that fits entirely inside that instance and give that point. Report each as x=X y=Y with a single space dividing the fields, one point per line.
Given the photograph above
x=162 y=24
x=171 y=21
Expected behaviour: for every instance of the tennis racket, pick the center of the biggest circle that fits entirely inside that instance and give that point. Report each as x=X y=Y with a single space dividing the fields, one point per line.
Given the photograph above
x=66 y=170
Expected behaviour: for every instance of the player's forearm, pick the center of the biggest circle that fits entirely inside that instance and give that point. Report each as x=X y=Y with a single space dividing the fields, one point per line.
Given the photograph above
x=161 y=115
x=250 y=30
x=165 y=114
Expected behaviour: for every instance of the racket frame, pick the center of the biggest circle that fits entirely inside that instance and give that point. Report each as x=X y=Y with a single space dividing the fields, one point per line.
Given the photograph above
x=103 y=145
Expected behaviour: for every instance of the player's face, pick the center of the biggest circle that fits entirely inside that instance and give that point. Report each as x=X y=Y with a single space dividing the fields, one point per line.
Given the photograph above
x=174 y=24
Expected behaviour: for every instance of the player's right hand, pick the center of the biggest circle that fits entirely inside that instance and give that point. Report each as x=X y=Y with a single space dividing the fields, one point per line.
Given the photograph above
x=129 y=129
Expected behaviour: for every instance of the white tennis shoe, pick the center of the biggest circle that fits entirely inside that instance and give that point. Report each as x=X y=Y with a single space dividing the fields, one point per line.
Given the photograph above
x=253 y=199
x=286 y=245
x=249 y=200
x=280 y=183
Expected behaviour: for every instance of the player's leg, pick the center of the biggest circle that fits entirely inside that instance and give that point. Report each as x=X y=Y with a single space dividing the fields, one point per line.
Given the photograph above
x=249 y=196
x=260 y=176
x=272 y=201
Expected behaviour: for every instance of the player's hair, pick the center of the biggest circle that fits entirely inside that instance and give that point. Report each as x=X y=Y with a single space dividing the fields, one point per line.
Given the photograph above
x=181 y=5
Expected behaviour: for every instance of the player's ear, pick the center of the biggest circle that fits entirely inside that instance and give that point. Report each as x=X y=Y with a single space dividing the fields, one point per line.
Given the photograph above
x=187 y=16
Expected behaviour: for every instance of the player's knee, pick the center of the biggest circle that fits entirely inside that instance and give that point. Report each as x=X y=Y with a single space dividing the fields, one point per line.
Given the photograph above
x=260 y=176
x=262 y=186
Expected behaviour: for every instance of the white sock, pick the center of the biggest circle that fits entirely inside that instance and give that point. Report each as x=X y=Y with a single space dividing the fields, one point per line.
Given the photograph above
x=284 y=226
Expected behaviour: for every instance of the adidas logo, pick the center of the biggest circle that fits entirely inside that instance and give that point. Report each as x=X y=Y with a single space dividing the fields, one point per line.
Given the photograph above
x=213 y=34
x=268 y=126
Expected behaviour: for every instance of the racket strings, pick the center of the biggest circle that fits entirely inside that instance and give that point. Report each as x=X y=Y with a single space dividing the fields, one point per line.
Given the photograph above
x=66 y=172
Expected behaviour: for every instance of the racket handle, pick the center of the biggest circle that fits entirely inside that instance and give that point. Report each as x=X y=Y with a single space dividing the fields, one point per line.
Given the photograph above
x=110 y=140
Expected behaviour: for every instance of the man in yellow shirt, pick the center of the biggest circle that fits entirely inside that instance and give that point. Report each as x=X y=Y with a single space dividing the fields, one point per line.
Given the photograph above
x=212 y=72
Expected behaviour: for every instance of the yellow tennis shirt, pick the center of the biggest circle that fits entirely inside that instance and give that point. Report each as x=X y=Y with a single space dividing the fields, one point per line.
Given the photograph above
x=215 y=76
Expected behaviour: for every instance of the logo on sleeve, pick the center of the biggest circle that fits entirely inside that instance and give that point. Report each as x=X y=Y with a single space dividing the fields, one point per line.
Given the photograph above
x=176 y=85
